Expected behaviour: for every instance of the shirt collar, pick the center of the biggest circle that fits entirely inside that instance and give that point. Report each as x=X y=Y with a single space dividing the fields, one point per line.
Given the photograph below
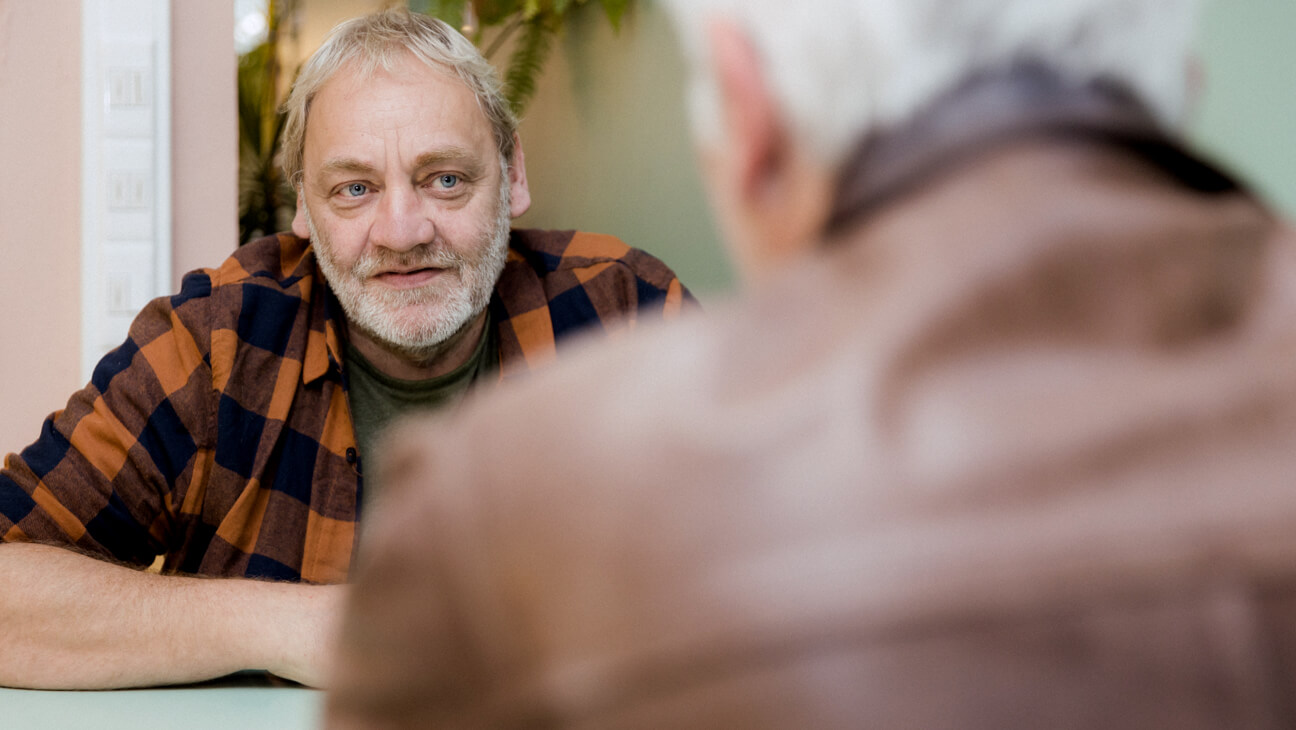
x=323 y=343
x=991 y=110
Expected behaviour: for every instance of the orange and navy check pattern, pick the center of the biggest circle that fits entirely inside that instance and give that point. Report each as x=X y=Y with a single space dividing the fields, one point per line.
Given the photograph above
x=219 y=433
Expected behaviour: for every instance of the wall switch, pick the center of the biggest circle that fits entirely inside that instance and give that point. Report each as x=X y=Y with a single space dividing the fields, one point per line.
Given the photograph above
x=126 y=87
x=128 y=189
x=119 y=293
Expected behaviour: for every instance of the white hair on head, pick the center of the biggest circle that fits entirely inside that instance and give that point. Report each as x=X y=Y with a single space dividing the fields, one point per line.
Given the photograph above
x=841 y=69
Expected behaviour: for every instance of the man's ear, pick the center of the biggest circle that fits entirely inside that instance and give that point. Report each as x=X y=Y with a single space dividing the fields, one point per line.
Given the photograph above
x=751 y=121
x=519 y=191
x=299 y=227
x=774 y=197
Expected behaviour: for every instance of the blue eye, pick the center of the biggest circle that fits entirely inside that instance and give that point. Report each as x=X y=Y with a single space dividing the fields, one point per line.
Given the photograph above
x=355 y=190
x=448 y=181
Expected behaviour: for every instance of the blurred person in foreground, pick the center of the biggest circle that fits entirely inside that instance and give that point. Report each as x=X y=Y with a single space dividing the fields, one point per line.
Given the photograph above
x=1001 y=434
x=231 y=431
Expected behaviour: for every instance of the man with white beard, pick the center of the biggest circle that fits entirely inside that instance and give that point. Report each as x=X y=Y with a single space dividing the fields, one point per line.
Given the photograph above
x=229 y=432
x=1000 y=434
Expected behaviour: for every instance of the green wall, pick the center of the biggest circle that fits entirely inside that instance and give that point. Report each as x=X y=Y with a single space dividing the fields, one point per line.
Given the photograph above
x=1248 y=105
x=608 y=147
x=608 y=150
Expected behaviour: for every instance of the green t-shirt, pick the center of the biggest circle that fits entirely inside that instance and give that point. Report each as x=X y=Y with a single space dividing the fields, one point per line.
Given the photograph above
x=378 y=399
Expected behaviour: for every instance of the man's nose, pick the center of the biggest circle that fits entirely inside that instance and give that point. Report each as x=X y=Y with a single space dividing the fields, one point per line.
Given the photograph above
x=401 y=222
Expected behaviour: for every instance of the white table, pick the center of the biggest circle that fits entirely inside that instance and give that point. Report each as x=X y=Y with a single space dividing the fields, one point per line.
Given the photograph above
x=241 y=702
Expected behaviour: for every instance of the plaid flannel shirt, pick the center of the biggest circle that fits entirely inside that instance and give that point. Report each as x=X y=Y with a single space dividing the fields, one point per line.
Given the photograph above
x=219 y=433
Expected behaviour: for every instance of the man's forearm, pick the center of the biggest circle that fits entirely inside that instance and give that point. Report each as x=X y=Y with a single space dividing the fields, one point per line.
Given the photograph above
x=69 y=621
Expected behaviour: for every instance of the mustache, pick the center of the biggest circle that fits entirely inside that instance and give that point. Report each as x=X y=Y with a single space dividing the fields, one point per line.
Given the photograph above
x=423 y=256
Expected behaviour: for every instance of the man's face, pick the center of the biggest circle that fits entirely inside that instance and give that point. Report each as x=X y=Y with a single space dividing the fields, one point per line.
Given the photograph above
x=406 y=203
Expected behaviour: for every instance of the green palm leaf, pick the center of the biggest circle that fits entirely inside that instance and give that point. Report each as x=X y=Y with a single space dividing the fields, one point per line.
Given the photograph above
x=615 y=10
x=528 y=60
x=539 y=22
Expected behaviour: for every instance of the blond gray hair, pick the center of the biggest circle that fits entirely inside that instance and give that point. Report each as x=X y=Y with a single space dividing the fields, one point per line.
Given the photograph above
x=841 y=69
x=376 y=41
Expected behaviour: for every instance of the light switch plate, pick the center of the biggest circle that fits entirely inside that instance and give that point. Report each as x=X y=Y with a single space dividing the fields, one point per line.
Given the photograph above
x=126 y=170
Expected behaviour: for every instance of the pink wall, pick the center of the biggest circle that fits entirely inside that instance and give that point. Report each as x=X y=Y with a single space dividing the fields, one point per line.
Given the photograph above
x=40 y=206
x=40 y=199
x=204 y=135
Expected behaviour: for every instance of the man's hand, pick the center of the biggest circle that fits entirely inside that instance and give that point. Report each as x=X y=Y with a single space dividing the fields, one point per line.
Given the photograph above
x=68 y=621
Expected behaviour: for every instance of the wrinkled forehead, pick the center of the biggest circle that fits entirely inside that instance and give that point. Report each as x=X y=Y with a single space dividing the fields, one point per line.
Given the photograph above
x=410 y=108
x=414 y=72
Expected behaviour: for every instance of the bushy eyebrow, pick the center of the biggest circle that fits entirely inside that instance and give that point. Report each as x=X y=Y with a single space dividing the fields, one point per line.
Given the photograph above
x=346 y=164
x=461 y=156
x=464 y=158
